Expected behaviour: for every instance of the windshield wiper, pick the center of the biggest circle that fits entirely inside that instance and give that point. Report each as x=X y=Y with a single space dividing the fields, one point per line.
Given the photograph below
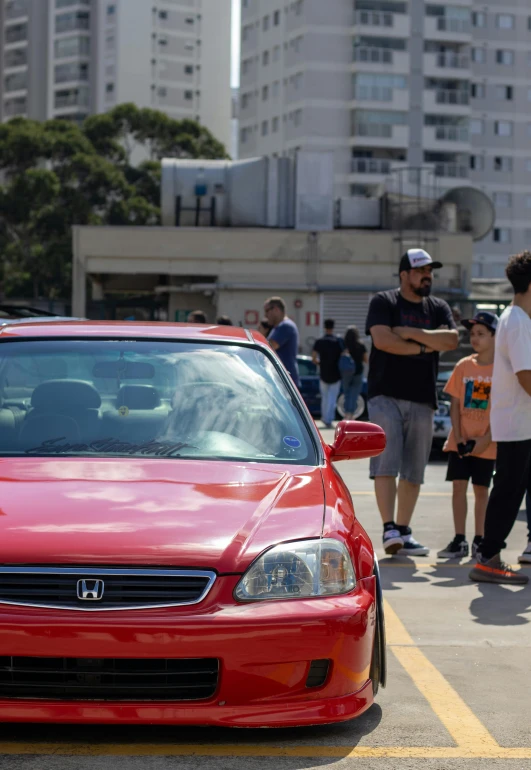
x=110 y=446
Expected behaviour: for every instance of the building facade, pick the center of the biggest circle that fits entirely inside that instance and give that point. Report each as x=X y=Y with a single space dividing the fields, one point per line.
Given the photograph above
x=71 y=58
x=392 y=84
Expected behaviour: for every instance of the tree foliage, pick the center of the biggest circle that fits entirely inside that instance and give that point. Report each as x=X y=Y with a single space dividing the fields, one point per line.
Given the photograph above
x=56 y=174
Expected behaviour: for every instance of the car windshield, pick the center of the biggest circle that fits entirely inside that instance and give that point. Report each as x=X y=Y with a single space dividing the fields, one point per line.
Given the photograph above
x=148 y=399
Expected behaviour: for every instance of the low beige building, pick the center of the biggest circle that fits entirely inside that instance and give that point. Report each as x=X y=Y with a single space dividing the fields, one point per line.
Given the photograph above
x=163 y=273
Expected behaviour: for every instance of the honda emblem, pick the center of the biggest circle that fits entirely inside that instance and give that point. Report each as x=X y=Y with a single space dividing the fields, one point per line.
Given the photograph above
x=90 y=590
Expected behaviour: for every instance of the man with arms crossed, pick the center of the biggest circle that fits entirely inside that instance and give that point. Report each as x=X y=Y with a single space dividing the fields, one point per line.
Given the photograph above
x=409 y=329
x=510 y=425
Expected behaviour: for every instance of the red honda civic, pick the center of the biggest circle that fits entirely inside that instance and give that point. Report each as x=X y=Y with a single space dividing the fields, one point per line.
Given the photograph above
x=176 y=546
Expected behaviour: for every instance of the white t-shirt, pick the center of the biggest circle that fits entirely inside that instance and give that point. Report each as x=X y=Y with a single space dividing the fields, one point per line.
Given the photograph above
x=510 y=416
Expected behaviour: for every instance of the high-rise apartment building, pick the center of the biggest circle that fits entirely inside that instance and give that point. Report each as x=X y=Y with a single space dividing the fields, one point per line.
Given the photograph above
x=389 y=84
x=71 y=58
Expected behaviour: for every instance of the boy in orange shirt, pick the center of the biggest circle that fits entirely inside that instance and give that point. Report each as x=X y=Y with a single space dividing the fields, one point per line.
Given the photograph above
x=471 y=451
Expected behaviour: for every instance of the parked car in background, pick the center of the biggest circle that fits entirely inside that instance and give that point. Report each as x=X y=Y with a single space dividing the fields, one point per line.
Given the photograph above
x=309 y=376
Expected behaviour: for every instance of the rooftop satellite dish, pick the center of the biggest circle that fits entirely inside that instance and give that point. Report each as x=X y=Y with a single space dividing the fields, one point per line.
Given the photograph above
x=475 y=211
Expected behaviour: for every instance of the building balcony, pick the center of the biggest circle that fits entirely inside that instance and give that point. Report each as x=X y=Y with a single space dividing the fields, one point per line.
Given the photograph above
x=368 y=97
x=447 y=138
x=449 y=64
x=451 y=171
x=16 y=33
x=16 y=9
x=451 y=30
x=447 y=101
x=397 y=24
x=378 y=135
x=372 y=59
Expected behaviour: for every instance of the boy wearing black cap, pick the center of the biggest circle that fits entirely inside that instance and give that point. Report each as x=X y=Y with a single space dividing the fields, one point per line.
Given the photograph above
x=471 y=451
x=409 y=328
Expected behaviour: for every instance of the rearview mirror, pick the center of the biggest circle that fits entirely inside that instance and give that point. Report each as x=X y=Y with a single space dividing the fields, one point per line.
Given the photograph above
x=123 y=370
x=357 y=441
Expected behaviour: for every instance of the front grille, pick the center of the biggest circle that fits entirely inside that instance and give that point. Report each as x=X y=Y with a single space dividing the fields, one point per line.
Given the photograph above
x=102 y=588
x=109 y=678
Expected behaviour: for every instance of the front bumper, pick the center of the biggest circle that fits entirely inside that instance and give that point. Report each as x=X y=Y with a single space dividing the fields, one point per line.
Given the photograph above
x=265 y=651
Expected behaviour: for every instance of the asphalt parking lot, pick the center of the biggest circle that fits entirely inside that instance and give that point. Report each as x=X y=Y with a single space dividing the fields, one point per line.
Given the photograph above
x=458 y=692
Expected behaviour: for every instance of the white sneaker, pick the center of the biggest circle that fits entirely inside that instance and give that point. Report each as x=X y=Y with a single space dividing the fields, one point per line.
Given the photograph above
x=525 y=558
x=412 y=547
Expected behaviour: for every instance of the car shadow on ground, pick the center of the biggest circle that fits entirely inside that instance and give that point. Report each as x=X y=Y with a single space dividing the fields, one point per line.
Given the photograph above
x=345 y=735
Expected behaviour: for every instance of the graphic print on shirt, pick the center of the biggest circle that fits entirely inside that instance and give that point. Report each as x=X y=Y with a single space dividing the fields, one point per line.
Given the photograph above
x=477 y=392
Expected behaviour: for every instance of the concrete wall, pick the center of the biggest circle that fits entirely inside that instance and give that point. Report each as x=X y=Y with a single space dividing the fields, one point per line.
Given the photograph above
x=233 y=271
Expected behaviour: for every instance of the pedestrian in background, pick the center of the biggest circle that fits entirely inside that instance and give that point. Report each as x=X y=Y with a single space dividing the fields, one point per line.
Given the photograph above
x=326 y=353
x=224 y=320
x=471 y=451
x=197 y=317
x=351 y=369
x=511 y=427
x=264 y=327
x=408 y=328
x=284 y=335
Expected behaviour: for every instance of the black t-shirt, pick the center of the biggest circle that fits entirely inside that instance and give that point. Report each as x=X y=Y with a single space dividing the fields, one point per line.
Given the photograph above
x=357 y=350
x=412 y=378
x=329 y=349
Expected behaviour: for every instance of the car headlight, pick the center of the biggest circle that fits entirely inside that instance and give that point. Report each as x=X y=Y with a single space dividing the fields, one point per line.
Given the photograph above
x=299 y=570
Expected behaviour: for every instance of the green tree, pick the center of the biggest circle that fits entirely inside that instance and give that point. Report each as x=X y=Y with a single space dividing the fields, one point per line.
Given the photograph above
x=57 y=174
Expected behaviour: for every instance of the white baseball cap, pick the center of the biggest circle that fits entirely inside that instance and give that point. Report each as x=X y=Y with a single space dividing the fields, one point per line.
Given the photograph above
x=417 y=258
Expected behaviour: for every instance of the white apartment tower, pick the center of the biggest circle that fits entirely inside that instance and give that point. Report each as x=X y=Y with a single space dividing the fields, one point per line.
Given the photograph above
x=388 y=84
x=71 y=58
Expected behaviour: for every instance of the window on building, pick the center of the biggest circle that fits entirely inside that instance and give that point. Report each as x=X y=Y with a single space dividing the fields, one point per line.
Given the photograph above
x=276 y=18
x=18 y=81
x=162 y=92
x=69 y=22
x=109 y=88
x=265 y=23
x=297 y=117
x=67 y=3
x=479 y=19
x=503 y=163
x=504 y=56
x=528 y=201
x=275 y=125
x=16 y=33
x=477 y=163
x=477 y=91
x=16 y=106
x=111 y=10
x=16 y=57
x=72 y=46
x=298 y=7
x=110 y=42
x=276 y=89
x=478 y=55
x=265 y=127
x=188 y=69
x=476 y=126
x=72 y=97
x=502 y=200
x=265 y=93
x=163 y=15
x=16 y=8
x=64 y=73
x=190 y=20
x=501 y=235
x=265 y=58
x=503 y=128
x=504 y=92
x=188 y=95
x=505 y=21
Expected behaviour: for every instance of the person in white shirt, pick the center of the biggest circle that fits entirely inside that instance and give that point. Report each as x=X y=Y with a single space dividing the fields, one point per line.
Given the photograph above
x=510 y=425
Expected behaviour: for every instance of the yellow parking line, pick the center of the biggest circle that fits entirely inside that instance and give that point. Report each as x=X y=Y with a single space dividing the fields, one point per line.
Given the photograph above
x=239 y=750
x=460 y=721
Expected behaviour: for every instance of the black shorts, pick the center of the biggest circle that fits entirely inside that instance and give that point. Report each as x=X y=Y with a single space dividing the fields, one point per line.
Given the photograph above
x=478 y=469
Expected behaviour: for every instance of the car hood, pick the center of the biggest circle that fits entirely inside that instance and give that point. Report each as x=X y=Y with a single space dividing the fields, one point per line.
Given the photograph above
x=183 y=513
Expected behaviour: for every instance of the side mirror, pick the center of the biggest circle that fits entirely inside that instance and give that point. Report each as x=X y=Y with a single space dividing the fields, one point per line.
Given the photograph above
x=357 y=441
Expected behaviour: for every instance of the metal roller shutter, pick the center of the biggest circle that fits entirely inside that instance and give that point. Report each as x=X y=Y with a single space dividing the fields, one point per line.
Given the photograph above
x=346 y=308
